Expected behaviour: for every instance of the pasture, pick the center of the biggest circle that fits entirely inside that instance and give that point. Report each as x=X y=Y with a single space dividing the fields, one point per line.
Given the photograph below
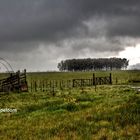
x=110 y=112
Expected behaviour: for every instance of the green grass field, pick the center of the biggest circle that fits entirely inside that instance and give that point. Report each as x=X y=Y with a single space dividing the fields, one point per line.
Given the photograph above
x=111 y=112
x=122 y=76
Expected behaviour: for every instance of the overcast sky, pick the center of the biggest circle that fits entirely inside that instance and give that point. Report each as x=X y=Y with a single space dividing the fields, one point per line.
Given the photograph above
x=37 y=34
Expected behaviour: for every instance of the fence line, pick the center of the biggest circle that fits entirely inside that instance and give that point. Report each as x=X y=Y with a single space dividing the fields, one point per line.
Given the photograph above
x=47 y=85
x=52 y=85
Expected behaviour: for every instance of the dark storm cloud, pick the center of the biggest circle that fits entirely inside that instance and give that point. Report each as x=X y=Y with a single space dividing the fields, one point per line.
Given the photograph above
x=37 y=20
x=52 y=20
x=74 y=28
x=124 y=26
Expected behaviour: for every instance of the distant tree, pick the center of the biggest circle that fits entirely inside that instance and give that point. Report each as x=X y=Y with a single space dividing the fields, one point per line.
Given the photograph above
x=93 y=64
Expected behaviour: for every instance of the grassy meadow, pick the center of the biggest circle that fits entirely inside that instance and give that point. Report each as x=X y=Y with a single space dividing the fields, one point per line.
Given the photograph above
x=111 y=112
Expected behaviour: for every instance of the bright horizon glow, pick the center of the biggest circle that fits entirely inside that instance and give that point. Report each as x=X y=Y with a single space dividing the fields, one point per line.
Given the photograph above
x=132 y=54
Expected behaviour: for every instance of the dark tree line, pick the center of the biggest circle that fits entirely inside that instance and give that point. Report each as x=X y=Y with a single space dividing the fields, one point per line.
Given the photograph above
x=93 y=64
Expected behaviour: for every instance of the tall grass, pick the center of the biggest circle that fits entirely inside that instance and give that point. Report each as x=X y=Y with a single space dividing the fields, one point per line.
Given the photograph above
x=112 y=112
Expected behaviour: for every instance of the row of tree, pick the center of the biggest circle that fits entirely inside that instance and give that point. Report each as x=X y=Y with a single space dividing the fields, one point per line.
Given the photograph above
x=93 y=64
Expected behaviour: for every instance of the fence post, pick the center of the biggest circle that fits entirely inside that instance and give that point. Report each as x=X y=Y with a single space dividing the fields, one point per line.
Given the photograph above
x=18 y=78
x=25 y=74
x=46 y=85
x=110 y=77
x=94 y=80
x=43 y=86
x=73 y=82
x=53 y=88
x=31 y=86
x=35 y=86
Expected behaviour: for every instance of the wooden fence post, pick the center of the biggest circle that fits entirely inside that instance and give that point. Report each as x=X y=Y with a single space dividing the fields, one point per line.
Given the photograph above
x=53 y=89
x=110 y=77
x=94 y=80
x=18 y=78
x=25 y=74
x=73 y=82
x=46 y=85
x=35 y=86
x=31 y=86
x=43 y=86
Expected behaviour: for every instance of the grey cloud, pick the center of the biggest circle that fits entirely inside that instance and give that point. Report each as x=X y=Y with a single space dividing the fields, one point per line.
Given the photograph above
x=74 y=28
x=17 y=47
x=136 y=66
x=49 y=20
x=124 y=27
